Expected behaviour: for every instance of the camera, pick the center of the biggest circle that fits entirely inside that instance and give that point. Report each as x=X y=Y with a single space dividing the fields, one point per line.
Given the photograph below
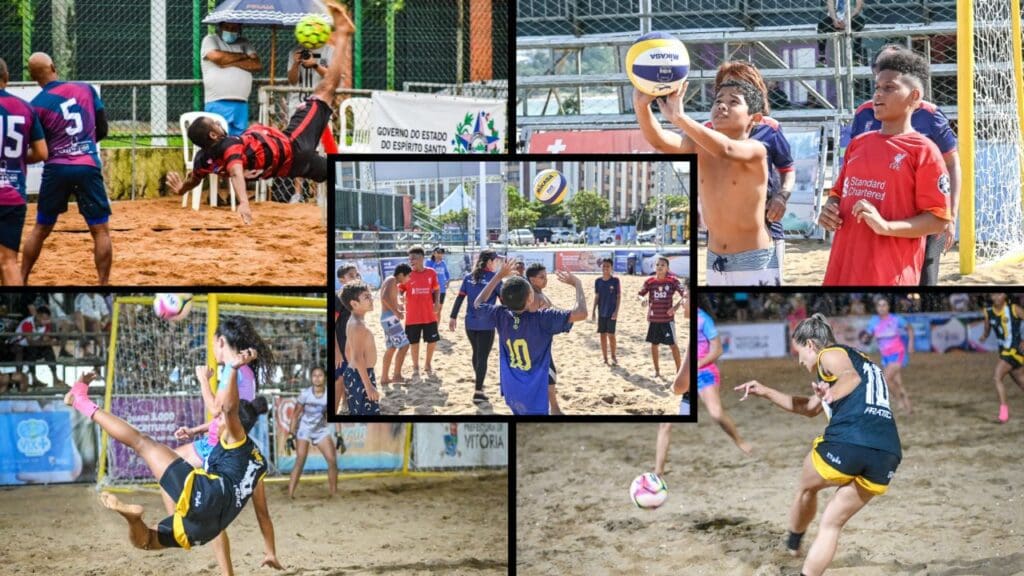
x=305 y=54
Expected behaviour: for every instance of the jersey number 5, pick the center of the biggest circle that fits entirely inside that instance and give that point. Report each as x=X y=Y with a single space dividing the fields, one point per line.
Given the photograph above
x=9 y=132
x=519 y=354
x=75 y=117
x=878 y=391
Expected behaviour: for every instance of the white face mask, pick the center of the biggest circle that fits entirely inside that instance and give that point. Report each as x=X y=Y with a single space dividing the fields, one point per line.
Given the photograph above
x=229 y=37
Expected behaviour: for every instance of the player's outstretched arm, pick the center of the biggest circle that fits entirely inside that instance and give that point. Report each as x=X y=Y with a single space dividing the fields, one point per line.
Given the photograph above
x=807 y=406
x=259 y=505
x=507 y=268
x=227 y=397
x=662 y=140
x=237 y=174
x=580 y=312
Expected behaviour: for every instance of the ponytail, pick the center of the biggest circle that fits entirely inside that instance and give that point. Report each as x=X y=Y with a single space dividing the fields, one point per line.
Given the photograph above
x=815 y=329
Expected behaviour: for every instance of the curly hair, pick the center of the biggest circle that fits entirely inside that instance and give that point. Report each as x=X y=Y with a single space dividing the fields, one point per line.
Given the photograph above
x=740 y=71
x=755 y=98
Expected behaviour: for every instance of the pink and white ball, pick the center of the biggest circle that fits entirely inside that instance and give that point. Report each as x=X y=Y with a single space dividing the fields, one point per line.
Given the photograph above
x=172 y=306
x=648 y=491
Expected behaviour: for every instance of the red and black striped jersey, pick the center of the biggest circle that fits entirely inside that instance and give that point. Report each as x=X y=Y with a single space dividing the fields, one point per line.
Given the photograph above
x=260 y=147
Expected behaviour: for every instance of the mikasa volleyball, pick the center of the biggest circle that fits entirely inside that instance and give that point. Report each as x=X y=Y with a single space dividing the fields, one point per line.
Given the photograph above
x=657 y=64
x=550 y=186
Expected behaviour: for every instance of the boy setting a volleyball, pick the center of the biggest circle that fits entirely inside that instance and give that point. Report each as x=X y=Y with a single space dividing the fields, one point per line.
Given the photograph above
x=733 y=178
x=892 y=191
x=264 y=151
x=525 y=337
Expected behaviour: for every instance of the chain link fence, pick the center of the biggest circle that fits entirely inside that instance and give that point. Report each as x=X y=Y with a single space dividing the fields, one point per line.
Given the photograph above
x=570 y=55
x=158 y=42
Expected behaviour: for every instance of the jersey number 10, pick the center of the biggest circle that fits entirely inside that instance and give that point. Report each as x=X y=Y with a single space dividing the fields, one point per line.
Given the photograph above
x=877 y=390
x=518 y=354
x=12 y=140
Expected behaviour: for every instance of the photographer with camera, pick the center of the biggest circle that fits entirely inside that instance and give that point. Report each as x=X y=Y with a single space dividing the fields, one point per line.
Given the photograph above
x=305 y=71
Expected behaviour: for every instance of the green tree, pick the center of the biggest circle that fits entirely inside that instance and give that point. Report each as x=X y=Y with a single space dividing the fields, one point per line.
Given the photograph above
x=521 y=214
x=676 y=201
x=548 y=210
x=460 y=217
x=588 y=209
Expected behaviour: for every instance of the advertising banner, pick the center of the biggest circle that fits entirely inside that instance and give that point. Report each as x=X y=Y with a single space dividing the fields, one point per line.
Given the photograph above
x=42 y=441
x=369 y=270
x=581 y=262
x=157 y=417
x=739 y=341
x=405 y=123
x=459 y=444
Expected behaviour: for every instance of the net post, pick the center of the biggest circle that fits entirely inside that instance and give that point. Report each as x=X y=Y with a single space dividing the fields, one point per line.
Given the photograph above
x=1018 y=81
x=211 y=340
x=965 y=110
x=407 y=456
x=109 y=392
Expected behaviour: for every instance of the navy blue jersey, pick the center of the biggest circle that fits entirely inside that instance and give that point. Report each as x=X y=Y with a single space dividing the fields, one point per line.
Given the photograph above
x=607 y=296
x=1006 y=325
x=475 y=319
x=863 y=417
x=927 y=119
x=217 y=495
x=525 y=342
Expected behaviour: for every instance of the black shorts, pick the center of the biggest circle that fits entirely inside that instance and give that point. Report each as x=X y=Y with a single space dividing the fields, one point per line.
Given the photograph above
x=870 y=468
x=441 y=301
x=12 y=222
x=61 y=181
x=552 y=373
x=304 y=130
x=605 y=326
x=428 y=332
x=662 y=333
x=1012 y=356
x=172 y=482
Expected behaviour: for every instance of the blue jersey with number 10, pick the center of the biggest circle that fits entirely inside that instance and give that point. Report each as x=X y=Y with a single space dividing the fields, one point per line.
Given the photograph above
x=525 y=343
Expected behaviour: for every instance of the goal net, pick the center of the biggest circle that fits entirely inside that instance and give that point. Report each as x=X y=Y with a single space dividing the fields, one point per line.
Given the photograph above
x=991 y=120
x=151 y=366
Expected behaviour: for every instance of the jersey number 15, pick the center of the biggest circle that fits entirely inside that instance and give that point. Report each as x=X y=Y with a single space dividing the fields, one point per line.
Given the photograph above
x=12 y=140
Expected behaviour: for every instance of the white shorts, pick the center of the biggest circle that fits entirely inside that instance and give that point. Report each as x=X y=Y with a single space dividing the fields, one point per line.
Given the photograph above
x=684 y=406
x=313 y=434
x=780 y=253
x=750 y=268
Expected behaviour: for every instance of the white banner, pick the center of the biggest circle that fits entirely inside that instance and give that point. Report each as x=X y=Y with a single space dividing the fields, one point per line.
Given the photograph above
x=741 y=341
x=404 y=122
x=459 y=444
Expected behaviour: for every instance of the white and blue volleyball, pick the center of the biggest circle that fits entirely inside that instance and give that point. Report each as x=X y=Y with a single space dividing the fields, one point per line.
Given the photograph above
x=657 y=64
x=550 y=186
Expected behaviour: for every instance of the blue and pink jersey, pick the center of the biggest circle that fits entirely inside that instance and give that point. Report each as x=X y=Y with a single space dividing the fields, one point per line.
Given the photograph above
x=246 y=384
x=19 y=127
x=68 y=113
x=525 y=343
x=706 y=332
x=889 y=333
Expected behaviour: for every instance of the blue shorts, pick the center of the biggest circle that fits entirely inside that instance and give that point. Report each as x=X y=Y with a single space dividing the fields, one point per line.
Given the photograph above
x=900 y=358
x=12 y=222
x=61 y=181
x=706 y=378
x=236 y=112
x=358 y=403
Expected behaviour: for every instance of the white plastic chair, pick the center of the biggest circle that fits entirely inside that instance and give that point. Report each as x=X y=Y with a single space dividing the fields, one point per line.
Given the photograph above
x=190 y=152
x=362 y=125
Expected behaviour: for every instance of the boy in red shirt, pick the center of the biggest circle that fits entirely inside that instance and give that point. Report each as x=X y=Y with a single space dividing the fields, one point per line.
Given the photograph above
x=661 y=312
x=892 y=191
x=422 y=307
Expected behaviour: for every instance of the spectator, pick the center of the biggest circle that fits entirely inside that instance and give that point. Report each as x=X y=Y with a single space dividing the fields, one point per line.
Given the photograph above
x=228 y=61
x=61 y=322
x=35 y=344
x=835 y=21
x=306 y=70
x=91 y=318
